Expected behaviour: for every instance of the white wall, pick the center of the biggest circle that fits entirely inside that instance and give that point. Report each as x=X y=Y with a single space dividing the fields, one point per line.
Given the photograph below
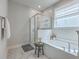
x=3 y=12
x=19 y=21
x=70 y=34
x=3 y=7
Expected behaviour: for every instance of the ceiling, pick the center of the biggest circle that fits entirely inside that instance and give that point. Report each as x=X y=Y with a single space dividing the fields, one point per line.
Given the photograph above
x=35 y=3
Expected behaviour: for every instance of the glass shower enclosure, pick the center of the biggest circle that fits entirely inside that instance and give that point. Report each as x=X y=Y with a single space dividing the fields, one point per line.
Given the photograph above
x=39 y=22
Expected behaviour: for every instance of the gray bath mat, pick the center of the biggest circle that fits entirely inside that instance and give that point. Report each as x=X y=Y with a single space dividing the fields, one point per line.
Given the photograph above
x=27 y=47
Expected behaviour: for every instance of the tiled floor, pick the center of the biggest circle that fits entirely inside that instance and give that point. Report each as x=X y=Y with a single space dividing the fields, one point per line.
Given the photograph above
x=18 y=53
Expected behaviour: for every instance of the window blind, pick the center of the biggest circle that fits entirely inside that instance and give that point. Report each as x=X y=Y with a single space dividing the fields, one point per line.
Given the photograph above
x=67 y=16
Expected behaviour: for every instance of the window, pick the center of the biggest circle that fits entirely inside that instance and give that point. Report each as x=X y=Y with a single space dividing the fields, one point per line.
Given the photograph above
x=67 y=16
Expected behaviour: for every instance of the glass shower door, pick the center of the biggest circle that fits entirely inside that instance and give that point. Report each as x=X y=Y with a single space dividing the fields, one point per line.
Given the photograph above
x=32 y=29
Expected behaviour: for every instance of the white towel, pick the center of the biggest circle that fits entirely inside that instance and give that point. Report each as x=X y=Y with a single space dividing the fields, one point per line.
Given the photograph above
x=7 y=28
